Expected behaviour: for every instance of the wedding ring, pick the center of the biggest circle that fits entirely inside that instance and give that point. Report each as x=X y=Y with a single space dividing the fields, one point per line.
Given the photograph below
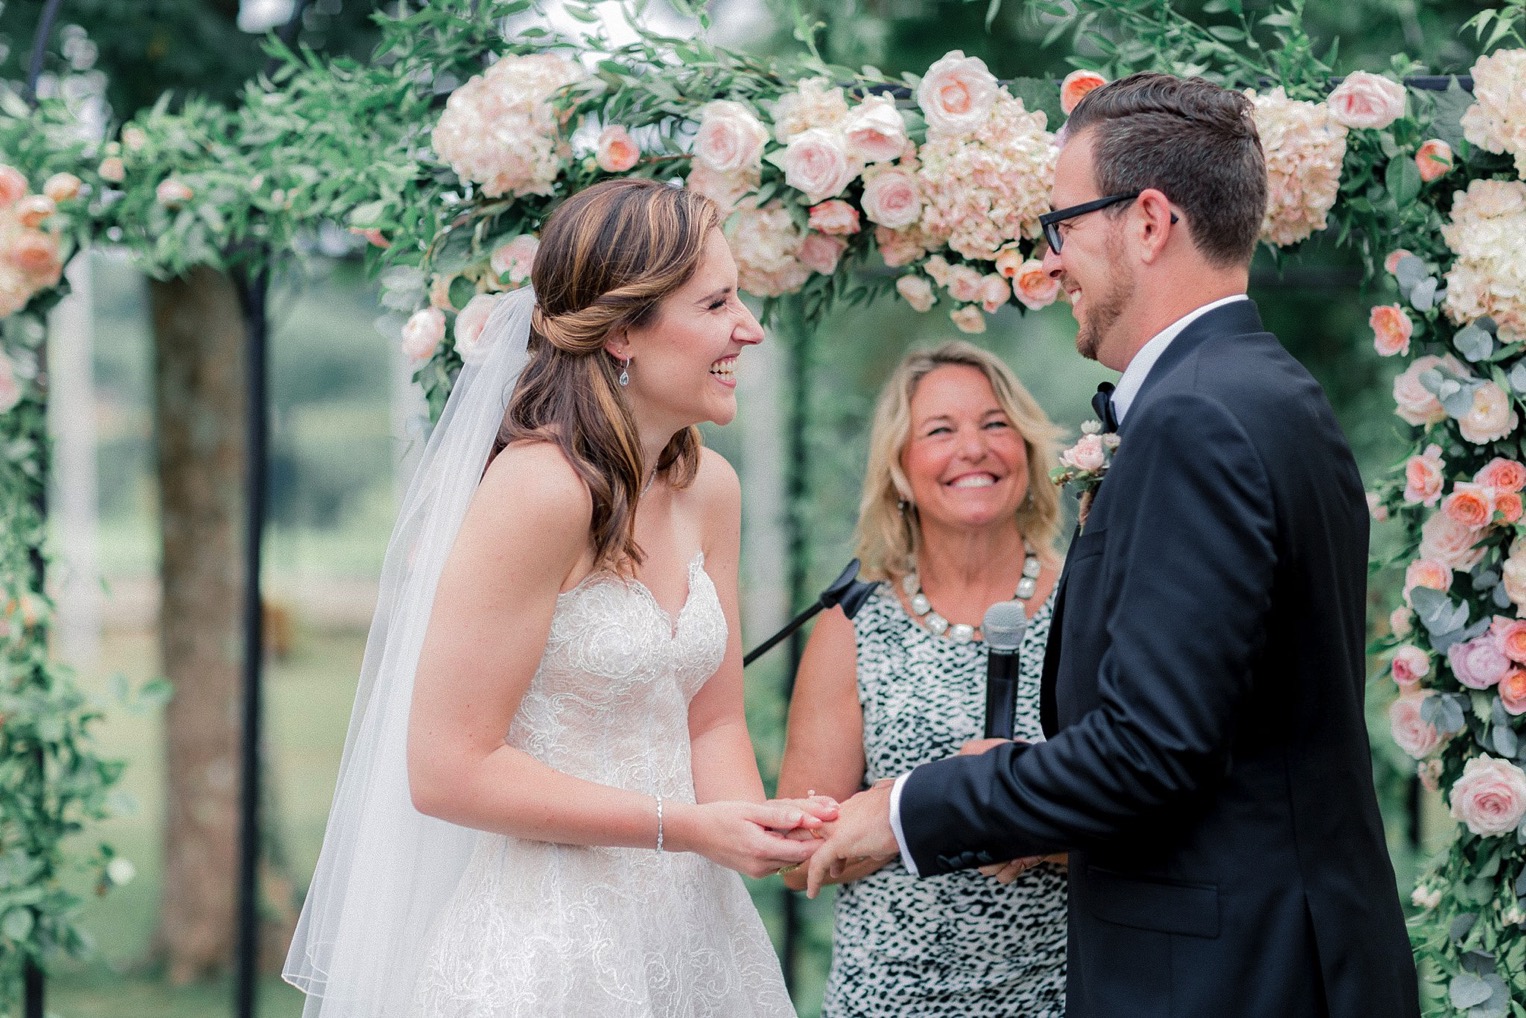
x=782 y=870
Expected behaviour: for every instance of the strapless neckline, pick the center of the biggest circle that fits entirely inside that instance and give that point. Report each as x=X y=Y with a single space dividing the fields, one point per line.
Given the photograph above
x=674 y=620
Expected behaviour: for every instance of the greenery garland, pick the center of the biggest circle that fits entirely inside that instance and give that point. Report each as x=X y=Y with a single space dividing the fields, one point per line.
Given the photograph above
x=820 y=165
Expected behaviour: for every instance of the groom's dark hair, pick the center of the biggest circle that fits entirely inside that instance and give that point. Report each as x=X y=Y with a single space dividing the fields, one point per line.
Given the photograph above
x=1190 y=139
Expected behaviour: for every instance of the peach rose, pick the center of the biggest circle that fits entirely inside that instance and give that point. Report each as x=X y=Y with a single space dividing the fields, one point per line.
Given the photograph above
x=1423 y=477
x=1075 y=87
x=1401 y=622
x=1449 y=542
x=1478 y=663
x=1410 y=665
x=816 y=162
x=875 y=131
x=939 y=269
x=172 y=193
x=1491 y=417
x=513 y=261
x=964 y=284
x=1434 y=160
x=821 y=253
x=36 y=255
x=835 y=217
x=892 y=197
x=1490 y=797
x=62 y=187
x=34 y=209
x=1391 y=329
x=13 y=186
x=422 y=333
x=10 y=387
x=1512 y=692
x=1414 y=402
x=1391 y=263
x=1507 y=506
x=1411 y=732
x=470 y=324
x=112 y=170
x=969 y=319
x=1367 y=100
x=1471 y=505
x=1035 y=287
x=730 y=137
x=956 y=94
x=616 y=151
x=1502 y=475
x=1510 y=635
x=1426 y=573
x=1009 y=260
x=917 y=291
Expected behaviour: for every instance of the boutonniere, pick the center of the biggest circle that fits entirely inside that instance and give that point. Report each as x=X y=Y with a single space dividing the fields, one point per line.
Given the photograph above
x=1084 y=464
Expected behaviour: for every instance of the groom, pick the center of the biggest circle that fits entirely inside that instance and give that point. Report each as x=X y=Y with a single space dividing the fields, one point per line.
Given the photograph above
x=1207 y=763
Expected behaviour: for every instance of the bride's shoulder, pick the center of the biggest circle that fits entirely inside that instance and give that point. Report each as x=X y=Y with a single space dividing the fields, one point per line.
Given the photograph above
x=535 y=478
x=715 y=487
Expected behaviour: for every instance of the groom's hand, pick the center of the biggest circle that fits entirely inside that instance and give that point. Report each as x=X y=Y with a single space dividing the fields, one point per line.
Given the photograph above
x=862 y=831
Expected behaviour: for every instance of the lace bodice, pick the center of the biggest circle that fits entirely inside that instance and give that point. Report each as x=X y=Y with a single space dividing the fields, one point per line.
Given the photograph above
x=561 y=931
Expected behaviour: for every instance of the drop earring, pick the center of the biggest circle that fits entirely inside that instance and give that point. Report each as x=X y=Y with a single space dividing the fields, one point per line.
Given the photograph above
x=625 y=373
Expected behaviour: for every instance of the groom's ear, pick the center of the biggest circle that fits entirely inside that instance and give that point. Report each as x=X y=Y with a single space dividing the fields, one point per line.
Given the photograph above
x=1156 y=223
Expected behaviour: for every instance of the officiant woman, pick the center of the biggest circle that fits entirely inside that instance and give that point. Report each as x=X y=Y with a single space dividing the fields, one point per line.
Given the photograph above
x=957 y=513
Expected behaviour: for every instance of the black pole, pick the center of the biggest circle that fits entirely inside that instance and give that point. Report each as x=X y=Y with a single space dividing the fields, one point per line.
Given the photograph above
x=253 y=283
x=40 y=47
x=797 y=331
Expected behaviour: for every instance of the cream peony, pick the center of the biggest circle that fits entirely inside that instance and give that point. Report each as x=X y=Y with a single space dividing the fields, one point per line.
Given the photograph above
x=1488 y=234
x=1367 y=100
x=1490 y=797
x=1304 y=145
x=766 y=244
x=815 y=103
x=1497 y=119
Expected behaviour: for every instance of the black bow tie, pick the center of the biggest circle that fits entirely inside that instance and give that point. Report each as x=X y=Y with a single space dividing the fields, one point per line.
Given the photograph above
x=1102 y=406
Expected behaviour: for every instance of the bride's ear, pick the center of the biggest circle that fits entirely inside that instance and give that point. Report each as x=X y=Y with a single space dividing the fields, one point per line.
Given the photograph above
x=618 y=345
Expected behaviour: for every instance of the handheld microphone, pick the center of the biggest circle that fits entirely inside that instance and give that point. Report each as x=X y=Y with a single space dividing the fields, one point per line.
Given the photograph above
x=1003 y=629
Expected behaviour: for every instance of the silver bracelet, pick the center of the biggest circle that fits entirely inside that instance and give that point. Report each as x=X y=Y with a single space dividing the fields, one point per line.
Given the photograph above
x=659 y=822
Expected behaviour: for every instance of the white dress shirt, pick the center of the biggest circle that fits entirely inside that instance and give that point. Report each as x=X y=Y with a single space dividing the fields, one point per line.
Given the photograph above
x=1123 y=397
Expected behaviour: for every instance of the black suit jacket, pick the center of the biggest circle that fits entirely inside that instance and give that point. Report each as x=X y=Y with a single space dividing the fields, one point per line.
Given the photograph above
x=1207 y=761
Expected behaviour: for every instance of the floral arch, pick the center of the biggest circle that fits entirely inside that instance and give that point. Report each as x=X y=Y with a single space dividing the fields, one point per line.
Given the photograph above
x=841 y=186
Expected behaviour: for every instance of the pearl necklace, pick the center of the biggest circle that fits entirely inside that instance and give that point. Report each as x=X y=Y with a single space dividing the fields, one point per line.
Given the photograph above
x=958 y=632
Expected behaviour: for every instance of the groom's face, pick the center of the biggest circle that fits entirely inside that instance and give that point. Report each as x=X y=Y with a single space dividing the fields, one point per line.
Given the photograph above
x=1091 y=265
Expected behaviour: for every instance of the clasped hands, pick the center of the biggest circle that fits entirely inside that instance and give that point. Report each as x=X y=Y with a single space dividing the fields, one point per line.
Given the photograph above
x=861 y=833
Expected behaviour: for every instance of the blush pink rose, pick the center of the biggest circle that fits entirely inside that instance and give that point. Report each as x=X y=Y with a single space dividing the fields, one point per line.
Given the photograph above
x=1471 y=505
x=1434 y=160
x=422 y=333
x=917 y=292
x=1423 y=477
x=173 y=193
x=1449 y=542
x=956 y=94
x=1034 y=286
x=964 y=284
x=1512 y=692
x=62 y=187
x=1411 y=732
x=1391 y=263
x=1391 y=329
x=1491 y=417
x=892 y=197
x=968 y=319
x=13 y=186
x=513 y=261
x=816 y=162
x=1088 y=454
x=821 y=253
x=616 y=151
x=730 y=138
x=1410 y=665
x=470 y=324
x=37 y=256
x=1426 y=573
x=1367 y=100
x=1075 y=88
x=835 y=217
x=1502 y=475
x=1478 y=663
x=1490 y=797
x=1414 y=402
x=875 y=130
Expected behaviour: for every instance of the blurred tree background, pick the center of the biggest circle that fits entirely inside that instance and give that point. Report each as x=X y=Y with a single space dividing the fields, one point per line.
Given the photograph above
x=340 y=432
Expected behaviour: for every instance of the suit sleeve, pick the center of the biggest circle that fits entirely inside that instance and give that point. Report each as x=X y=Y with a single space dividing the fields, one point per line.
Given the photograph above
x=1188 y=566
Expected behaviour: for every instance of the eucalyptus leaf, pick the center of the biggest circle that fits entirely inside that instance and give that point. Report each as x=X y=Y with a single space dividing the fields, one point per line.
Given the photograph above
x=1422 y=297
x=1409 y=271
x=1473 y=343
x=1505 y=741
x=1462 y=923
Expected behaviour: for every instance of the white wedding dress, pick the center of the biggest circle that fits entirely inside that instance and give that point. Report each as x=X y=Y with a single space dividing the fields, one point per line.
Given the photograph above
x=558 y=931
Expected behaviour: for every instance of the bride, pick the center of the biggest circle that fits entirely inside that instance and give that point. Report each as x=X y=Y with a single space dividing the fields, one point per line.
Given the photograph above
x=548 y=773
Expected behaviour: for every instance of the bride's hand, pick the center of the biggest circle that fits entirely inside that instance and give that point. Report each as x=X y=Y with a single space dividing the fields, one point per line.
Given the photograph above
x=742 y=836
x=820 y=808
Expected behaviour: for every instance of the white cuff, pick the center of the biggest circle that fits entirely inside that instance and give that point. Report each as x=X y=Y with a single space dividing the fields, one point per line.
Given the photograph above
x=895 y=825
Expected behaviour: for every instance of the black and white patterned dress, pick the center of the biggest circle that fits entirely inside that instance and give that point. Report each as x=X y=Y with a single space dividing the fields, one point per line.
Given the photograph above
x=959 y=945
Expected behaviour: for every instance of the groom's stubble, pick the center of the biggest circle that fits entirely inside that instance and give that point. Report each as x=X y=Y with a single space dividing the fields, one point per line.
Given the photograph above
x=1104 y=309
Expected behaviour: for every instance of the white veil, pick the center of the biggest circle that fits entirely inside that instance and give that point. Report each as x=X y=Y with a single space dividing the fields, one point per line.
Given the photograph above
x=386 y=869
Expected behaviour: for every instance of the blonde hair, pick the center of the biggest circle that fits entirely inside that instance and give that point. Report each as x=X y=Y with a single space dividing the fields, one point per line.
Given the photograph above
x=888 y=537
x=607 y=258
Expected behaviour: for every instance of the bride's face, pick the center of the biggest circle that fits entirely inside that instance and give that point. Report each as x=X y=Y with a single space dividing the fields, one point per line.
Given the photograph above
x=684 y=360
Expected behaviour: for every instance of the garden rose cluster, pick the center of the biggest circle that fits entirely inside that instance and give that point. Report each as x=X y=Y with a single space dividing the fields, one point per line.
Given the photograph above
x=1304 y=145
x=1488 y=235
x=500 y=130
x=766 y=243
x=1496 y=121
x=30 y=256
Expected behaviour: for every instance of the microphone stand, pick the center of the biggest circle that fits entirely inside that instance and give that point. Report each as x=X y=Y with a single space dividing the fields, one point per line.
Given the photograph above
x=847 y=592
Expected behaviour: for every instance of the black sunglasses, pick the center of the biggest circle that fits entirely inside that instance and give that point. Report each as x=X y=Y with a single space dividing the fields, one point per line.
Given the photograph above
x=1050 y=221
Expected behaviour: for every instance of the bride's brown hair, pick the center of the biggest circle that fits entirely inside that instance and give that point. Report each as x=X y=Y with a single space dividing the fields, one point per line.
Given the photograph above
x=608 y=256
